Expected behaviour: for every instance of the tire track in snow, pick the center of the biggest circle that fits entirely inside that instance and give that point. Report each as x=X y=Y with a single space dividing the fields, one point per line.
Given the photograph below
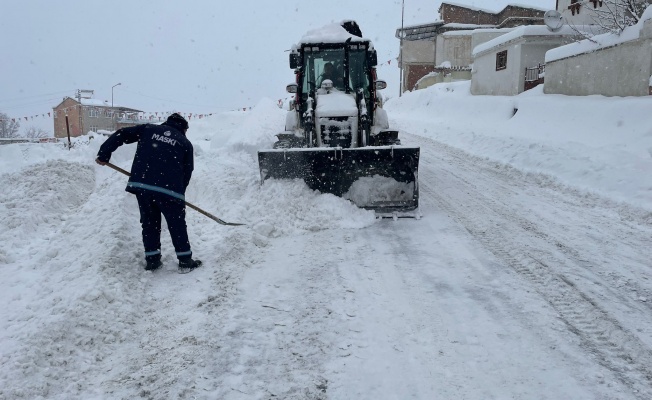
x=533 y=254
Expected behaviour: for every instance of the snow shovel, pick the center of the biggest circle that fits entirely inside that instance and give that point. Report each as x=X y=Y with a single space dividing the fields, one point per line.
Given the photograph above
x=194 y=207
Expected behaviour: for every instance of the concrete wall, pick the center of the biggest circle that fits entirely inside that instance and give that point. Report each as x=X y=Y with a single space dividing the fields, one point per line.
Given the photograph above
x=485 y=80
x=622 y=70
x=418 y=59
x=481 y=36
x=455 y=48
x=418 y=51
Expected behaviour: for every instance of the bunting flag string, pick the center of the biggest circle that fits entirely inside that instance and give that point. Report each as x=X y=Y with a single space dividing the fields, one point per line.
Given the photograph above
x=108 y=112
x=388 y=62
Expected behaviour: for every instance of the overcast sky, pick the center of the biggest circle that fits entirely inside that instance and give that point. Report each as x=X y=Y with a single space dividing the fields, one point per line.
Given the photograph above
x=197 y=56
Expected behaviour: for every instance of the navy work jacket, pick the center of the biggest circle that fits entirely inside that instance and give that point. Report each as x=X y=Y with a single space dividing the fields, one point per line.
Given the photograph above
x=163 y=161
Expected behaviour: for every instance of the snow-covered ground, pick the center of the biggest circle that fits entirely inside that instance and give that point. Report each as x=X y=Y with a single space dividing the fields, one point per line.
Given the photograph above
x=528 y=276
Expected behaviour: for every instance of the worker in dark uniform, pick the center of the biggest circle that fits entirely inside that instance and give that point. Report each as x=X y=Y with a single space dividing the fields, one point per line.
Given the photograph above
x=160 y=173
x=330 y=72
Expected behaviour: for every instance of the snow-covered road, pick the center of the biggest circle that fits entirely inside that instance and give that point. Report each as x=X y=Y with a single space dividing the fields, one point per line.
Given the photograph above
x=583 y=259
x=512 y=285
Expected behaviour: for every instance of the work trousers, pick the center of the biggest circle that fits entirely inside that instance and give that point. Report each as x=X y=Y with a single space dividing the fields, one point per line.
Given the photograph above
x=151 y=206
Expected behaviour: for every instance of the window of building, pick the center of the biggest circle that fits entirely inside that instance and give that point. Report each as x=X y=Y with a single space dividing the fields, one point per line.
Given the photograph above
x=501 y=60
x=94 y=128
x=93 y=113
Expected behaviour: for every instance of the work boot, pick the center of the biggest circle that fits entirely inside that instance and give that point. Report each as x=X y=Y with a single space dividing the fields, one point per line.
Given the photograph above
x=188 y=265
x=153 y=263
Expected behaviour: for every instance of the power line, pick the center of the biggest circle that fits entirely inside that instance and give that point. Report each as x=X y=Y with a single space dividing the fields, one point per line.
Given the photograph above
x=49 y=101
x=37 y=95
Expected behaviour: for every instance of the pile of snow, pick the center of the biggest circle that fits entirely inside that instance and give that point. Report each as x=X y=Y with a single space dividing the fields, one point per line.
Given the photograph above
x=370 y=189
x=73 y=287
x=246 y=130
x=331 y=33
x=596 y=143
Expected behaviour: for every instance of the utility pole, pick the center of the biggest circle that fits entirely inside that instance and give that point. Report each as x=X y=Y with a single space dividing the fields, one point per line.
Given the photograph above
x=117 y=84
x=400 y=52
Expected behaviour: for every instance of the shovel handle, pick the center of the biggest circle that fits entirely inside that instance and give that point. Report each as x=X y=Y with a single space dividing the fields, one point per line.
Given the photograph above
x=194 y=207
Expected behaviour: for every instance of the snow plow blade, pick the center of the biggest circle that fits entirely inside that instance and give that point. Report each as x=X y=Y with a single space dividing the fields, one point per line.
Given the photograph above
x=384 y=178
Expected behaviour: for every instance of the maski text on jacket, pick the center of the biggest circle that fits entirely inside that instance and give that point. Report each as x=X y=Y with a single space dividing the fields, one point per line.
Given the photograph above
x=164 y=139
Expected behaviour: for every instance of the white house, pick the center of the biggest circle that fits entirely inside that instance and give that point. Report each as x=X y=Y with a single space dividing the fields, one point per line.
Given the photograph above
x=499 y=65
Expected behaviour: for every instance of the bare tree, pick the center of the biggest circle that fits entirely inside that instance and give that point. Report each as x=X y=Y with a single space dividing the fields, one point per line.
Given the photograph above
x=8 y=127
x=616 y=15
x=34 y=133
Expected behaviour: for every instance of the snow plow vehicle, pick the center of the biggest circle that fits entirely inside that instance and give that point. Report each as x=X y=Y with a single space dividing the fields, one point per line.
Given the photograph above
x=337 y=137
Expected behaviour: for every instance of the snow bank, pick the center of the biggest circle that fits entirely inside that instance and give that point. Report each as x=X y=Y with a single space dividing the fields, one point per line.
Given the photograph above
x=248 y=130
x=600 y=144
x=74 y=290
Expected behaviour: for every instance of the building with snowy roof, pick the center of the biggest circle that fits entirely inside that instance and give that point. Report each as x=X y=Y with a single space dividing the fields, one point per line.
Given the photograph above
x=443 y=48
x=500 y=65
x=86 y=114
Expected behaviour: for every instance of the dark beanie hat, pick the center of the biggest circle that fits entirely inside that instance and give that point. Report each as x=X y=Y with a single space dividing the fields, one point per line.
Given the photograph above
x=177 y=121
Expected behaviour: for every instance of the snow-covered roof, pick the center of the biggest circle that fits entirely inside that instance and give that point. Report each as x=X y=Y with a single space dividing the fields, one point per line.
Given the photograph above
x=95 y=102
x=456 y=25
x=474 y=31
x=492 y=11
x=331 y=33
x=105 y=103
x=427 y=25
x=524 y=32
x=459 y=33
x=600 y=41
x=420 y=32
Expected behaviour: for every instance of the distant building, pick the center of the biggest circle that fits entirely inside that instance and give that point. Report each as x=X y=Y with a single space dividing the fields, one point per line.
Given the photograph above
x=86 y=114
x=442 y=49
